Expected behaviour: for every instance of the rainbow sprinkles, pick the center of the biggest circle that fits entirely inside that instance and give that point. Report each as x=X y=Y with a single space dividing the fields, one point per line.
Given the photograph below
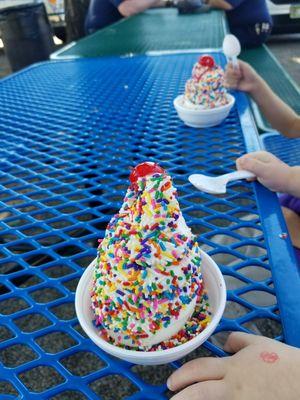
x=205 y=89
x=148 y=290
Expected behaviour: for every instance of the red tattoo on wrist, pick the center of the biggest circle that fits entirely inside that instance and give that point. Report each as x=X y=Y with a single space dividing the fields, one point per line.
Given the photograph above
x=269 y=358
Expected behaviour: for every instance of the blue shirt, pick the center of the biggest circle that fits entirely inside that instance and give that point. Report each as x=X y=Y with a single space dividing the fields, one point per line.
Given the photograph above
x=250 y=21
x=248 y=12
x=102 y=13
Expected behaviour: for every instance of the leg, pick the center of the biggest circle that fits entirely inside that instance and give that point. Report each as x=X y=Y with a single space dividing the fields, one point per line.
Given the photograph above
x=292 y=220
x=252 y=35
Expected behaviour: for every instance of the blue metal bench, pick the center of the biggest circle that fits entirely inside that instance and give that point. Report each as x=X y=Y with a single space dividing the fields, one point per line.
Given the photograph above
x=288 y=150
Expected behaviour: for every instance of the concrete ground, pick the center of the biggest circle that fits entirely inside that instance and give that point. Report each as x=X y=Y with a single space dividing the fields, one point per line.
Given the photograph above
x=4 y=65
x=287 y=50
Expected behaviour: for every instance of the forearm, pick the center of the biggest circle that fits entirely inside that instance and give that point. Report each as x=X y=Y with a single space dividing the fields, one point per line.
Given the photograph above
x=132 y=7
x=279 y=114
x=293 y=186
x=221 y=4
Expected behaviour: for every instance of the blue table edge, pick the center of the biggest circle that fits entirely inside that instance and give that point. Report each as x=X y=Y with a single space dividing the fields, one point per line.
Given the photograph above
x=283 y=262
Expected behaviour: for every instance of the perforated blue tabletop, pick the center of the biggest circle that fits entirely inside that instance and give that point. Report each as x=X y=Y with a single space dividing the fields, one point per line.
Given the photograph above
x=69 y=133
x=288 y=150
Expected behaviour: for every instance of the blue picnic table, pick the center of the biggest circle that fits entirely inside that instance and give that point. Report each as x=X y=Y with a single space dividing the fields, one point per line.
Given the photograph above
x=70 y=130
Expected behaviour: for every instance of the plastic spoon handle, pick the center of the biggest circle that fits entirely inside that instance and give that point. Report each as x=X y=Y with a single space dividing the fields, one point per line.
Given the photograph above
x=236 y=175
x=234 y=62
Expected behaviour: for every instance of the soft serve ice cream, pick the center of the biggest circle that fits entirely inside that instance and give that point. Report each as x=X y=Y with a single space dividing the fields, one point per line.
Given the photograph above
x=147 y=278
x=205 y=89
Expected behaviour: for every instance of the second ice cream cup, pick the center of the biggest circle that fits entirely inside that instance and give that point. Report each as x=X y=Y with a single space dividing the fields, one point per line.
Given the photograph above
x=201 y=117
x=216 y=290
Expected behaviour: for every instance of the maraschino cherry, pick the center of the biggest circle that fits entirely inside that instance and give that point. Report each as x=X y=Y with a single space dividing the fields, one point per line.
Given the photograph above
x=144 y=169
x=207 y=61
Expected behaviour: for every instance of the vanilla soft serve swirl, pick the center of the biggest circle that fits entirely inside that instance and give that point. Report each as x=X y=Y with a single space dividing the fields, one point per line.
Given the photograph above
x=147 y=278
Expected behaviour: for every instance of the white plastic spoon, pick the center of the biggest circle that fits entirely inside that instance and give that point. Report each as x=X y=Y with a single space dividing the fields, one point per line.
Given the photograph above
x=217 y=184
x=232 y=49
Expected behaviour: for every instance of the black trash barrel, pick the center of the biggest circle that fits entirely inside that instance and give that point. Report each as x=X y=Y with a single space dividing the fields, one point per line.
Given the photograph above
x=26 y=34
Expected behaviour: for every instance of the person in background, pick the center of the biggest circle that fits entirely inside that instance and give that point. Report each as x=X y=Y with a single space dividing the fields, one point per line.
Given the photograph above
x=75 y=12
x=105 y=12
x=249 y=20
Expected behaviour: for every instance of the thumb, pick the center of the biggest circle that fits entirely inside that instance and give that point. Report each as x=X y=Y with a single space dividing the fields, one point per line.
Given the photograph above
x=239 y=340
x=251 y=164
x=232 y=72
x=229 y=67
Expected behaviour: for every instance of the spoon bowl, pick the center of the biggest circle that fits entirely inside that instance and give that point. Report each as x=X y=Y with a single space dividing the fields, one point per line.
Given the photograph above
x=217 y=184
x=231 y=48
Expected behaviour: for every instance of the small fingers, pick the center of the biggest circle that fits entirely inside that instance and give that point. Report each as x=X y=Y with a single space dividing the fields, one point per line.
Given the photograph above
x=230 y=83
x=232 y=76
x=253 y=162
x=230 y=80
x=201 y=369
x=260 y=155
x=241 y=161
x=242 y=165
x=253 y=165
x=232 y=70
x=210 y=390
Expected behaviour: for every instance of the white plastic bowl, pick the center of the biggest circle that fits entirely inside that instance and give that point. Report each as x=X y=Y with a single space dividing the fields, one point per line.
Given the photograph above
x=203 y=118
x=215 y=286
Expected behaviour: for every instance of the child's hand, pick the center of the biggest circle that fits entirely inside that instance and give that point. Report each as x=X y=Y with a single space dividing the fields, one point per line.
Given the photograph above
x=261 y=369
x=270 y=171
x=243 y=78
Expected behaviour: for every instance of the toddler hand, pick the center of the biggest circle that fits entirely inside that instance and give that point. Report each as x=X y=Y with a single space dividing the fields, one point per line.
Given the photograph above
x=270 y=171
x=243 y=78
x=261 y=369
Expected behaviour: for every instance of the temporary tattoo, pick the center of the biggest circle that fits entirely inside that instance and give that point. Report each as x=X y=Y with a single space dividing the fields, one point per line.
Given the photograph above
x=269 y=358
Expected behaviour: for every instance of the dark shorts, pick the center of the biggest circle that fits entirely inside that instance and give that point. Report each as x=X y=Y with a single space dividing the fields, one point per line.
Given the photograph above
x=101 y=13
x=252 y=35
x=293 y=204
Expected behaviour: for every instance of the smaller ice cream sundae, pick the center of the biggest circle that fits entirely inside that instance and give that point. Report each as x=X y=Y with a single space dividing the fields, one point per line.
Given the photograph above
x=205 y=101
x=205 y=89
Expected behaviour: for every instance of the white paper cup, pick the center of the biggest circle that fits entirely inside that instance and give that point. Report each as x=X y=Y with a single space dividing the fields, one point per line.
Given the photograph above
x=203 y=118
x=216 y=290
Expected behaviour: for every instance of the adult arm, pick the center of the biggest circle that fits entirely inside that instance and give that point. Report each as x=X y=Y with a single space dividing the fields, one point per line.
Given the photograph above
x=132 y=7
x=220 y=4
